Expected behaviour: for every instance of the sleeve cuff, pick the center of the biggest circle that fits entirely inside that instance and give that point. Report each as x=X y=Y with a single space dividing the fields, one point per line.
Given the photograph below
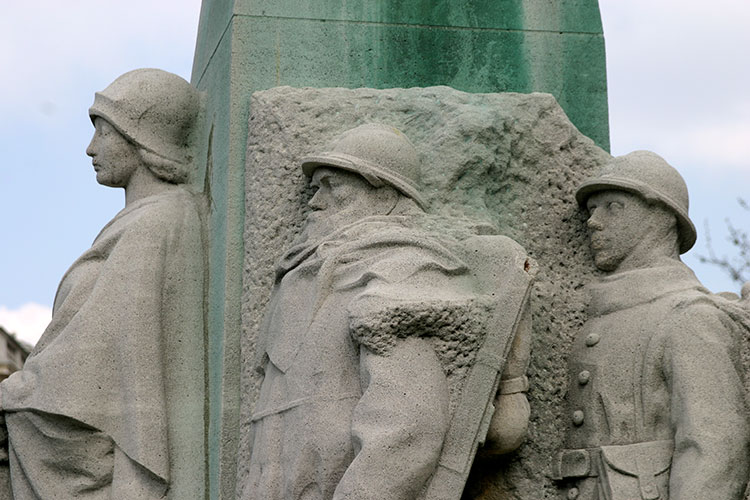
x=514 y=385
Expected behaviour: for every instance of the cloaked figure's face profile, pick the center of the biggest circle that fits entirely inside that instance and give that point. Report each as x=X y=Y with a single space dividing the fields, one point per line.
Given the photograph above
x=114 y=157
x=341 y=198
x=618 y=223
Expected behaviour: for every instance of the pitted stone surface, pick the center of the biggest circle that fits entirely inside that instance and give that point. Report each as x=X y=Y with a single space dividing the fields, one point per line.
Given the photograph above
x=511 y=160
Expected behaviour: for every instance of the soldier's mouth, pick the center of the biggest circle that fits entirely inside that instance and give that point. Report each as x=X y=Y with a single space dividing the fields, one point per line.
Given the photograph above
x=316 y=215
x=598 y=244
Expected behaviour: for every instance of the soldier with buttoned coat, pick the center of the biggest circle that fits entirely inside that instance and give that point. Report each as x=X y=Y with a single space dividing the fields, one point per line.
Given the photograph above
x=656 y=405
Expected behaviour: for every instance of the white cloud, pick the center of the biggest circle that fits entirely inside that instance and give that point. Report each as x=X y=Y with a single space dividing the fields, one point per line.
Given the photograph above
x=26 y=322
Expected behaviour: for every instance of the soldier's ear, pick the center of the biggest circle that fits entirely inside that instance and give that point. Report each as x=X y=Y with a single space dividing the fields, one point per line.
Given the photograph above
x=389 y=192
x=387 y=197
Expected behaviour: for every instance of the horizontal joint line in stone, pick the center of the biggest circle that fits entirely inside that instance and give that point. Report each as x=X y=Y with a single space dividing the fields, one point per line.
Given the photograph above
x=430 y=26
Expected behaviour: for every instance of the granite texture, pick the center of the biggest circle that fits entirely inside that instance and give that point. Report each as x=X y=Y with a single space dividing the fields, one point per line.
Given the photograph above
x=510 y=160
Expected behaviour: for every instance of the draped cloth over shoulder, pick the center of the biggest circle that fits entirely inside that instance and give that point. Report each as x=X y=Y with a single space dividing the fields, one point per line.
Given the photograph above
x=123 y=354
x=377 y=383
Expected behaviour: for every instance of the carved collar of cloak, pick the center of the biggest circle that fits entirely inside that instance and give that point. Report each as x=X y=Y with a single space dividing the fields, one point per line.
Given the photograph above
x=628 y=289
x=301 y=251
x=346 y=259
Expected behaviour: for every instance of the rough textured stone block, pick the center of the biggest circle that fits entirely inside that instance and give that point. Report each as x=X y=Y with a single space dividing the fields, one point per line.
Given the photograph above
x=512 y=160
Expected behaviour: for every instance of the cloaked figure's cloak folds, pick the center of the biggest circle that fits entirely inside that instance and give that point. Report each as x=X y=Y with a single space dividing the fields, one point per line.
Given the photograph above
x=124 y=352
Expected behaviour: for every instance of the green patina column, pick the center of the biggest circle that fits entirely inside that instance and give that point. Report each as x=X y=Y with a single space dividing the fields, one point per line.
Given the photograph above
x=553 y=46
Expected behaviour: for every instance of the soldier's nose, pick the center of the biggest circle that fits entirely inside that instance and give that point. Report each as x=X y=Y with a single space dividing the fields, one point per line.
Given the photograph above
x=594 y=224
x=317 y=202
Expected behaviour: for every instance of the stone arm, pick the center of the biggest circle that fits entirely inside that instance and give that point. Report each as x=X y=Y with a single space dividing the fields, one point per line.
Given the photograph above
x=511 y=418
x=399 y=424
x=708 y=413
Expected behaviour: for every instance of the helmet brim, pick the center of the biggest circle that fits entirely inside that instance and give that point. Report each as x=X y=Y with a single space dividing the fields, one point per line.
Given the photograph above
x=365 y=169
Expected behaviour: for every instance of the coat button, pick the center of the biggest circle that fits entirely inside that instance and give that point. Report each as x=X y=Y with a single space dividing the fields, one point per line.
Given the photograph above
x=584 y=377
x=578 y=417
x=592 y=339
x=573 y=493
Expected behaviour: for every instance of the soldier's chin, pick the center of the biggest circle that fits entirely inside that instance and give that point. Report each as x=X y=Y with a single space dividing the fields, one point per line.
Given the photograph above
x=605 y=262
x=317 y=225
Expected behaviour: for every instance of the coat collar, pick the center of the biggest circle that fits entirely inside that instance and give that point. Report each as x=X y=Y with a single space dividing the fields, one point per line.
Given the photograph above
x=640 y=286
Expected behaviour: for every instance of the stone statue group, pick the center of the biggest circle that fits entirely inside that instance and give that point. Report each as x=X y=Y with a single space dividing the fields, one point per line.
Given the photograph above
x=395 y=345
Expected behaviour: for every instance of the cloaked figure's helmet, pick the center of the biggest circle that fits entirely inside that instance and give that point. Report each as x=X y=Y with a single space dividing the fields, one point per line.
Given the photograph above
x=379 y=153
x=651 y=177
x=157 y=111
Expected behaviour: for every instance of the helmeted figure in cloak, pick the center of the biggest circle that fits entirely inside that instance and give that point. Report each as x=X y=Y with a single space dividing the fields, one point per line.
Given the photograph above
x=373 y=318
x=109 y=404
x=656 y=401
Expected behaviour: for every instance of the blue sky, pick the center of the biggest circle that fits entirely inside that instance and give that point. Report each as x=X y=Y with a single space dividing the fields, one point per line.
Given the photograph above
x=678 y=85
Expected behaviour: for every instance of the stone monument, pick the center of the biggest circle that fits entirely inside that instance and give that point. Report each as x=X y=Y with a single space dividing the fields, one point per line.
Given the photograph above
x=244 y=46
x=110 y=403
x=386 y=338
x=393 y=358
x=656 y=398
x=509 y=161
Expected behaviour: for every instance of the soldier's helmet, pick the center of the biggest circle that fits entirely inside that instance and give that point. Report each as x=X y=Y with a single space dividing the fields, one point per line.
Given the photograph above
x=379 y=153
x=154 y=109
x=651 y=177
